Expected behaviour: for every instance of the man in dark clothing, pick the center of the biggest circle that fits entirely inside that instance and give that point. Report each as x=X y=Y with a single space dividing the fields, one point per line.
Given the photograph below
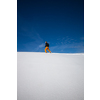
x=47 y=47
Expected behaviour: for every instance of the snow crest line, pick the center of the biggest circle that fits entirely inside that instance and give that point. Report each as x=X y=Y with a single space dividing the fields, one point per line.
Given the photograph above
x=55 y=53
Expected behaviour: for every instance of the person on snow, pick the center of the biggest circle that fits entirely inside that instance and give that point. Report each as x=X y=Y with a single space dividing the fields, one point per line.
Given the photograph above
x=47 y=47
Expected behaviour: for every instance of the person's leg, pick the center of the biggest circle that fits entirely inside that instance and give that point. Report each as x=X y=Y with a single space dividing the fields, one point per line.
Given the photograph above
x=46 y=50
x=49 y=50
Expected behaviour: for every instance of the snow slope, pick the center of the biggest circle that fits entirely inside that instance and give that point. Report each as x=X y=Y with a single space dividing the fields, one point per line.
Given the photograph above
x=45 y=76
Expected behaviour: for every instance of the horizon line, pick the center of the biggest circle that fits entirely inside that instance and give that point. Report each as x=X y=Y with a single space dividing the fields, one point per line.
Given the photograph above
x=51 y=53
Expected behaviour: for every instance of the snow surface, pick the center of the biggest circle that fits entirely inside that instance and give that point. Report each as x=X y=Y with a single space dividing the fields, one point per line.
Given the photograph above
x=45 y=76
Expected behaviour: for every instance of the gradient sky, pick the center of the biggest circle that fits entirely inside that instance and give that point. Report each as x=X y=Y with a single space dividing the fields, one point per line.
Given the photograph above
x=59 y=22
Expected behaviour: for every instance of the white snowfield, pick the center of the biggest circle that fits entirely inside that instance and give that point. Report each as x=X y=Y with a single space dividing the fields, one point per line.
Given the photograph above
x=50 y=76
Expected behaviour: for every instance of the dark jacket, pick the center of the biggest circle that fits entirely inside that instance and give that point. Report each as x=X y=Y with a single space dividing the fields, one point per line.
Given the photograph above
x=46 y=44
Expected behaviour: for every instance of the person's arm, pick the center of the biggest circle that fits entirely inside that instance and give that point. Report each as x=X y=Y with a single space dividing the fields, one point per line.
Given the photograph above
x=45 y=44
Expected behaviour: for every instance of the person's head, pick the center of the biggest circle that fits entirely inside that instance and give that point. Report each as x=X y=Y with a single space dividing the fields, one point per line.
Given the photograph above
x=45 y=41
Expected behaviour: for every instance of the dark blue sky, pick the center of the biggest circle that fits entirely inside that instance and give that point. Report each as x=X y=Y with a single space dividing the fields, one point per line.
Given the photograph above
x=59 y=22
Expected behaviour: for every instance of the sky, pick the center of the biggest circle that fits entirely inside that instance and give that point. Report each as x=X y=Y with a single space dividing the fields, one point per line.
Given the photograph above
x=59 y=22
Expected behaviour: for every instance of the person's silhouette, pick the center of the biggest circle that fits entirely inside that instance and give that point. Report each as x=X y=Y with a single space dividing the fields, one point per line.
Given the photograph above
x=47 y=47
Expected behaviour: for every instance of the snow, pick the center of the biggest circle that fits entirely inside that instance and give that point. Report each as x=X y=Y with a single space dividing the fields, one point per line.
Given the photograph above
x=50 y=76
